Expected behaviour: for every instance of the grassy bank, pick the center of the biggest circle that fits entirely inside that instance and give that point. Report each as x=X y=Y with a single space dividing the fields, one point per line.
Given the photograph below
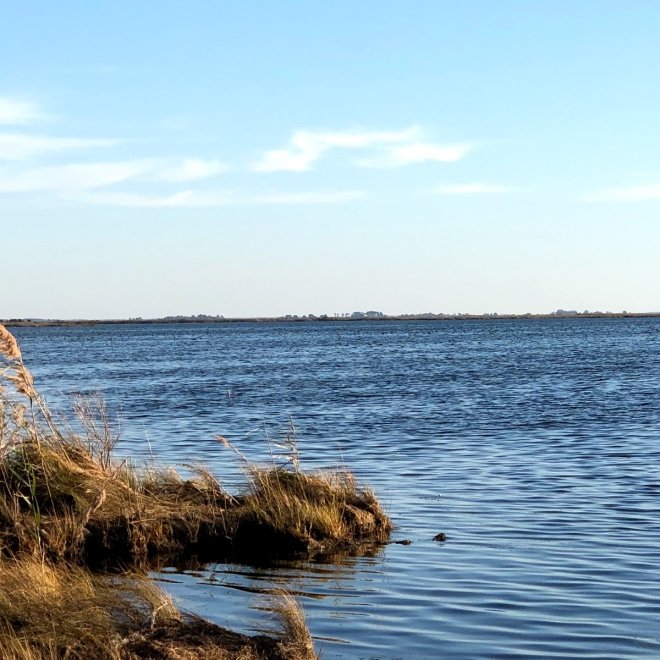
x=64 y=496
x=67 y=506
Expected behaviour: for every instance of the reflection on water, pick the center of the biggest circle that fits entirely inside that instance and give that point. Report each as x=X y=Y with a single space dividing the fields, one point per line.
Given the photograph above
x=240 y=590
x=535 y=446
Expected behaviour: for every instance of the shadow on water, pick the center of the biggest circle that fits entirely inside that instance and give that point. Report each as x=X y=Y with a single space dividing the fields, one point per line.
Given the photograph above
x=240 y=587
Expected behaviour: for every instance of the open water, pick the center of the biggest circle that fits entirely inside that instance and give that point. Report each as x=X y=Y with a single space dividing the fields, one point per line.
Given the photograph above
x=533 y=445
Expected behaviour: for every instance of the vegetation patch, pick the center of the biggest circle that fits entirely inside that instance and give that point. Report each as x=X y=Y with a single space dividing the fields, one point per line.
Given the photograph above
x=69 y=509
x=64 y=497
x=54 y=612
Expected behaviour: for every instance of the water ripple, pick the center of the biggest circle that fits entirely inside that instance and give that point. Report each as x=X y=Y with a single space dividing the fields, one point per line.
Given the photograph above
x=535 y=446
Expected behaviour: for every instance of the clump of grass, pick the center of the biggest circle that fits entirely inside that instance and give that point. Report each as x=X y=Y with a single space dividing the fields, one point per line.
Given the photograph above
x=290 y=627
x=318 y=513
x=48 y=611
x=62 y=496
x=54 y=612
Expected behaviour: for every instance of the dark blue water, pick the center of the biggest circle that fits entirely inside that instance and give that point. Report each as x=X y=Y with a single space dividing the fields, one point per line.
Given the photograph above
x=534 y=445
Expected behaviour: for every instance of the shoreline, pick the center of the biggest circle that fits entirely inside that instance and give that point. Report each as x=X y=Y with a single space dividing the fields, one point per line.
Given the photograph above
x=36 y=323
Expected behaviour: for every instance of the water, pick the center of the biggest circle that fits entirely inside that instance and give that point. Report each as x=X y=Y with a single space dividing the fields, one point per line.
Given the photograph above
x=534 y=445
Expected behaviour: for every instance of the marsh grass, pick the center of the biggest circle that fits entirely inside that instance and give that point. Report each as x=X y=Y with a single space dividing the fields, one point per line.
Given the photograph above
x=48 y=611
x=63 y=496
x=289 y=626
x=55 y=612
x=318 y=513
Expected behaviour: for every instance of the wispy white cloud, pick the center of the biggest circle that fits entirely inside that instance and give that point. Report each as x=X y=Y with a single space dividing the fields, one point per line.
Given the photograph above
x=181 y=199
x=306 y=147
x=73 y=177
x=338 y=197
x=18 y=146
x=97 y=183
x=86 y=176
x=191 y=169
x=638 y=193
x=416 y=152
x=473 y=189
x=85 y=180
x=198 y=199
x=18 y=111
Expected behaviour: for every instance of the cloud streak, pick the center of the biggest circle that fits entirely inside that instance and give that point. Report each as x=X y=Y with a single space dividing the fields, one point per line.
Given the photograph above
x=639 y=193
x=180 y=199
x=19 y=112
x=19 y=146
x=192 y=169
x=306 y=147
x=416 y=152
x=197 y=199
x=72 y=177
x=473 y=189
x=87 y=176
x=394 y=149
x=337 y=197
x=94 y=183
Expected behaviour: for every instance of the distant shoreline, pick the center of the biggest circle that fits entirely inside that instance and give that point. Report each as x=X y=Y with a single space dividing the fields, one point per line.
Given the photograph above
x=326 y=319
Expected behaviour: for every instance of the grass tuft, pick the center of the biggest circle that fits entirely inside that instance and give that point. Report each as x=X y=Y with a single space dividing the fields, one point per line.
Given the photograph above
x=55 y=612
x=48 y=611
x=290 y=627
x=318 y=513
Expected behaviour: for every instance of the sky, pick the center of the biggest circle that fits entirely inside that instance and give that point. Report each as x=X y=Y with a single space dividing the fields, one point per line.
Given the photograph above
x=261 y=158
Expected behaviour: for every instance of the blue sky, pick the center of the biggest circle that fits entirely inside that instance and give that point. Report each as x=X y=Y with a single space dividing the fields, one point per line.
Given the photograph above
x=265 y=158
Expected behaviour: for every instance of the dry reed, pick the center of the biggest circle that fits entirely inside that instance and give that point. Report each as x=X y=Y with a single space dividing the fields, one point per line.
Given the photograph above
x=8 y=345
x=290 y=626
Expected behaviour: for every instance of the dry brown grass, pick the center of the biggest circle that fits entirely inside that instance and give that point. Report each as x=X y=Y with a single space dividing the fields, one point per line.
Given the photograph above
x=290 y=627
x=317 y=513
x=48 y=611
x=57 y=499
x=55 y=612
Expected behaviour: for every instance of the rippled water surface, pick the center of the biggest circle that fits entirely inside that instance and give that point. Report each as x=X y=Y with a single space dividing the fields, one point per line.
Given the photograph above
x=534 y=445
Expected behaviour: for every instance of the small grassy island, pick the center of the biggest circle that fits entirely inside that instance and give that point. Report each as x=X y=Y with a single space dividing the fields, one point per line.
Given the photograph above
x=78 y=530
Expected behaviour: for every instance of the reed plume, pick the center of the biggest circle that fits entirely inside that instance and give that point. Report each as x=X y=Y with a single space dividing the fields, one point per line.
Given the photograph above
x=21 y=377
x=8 y=345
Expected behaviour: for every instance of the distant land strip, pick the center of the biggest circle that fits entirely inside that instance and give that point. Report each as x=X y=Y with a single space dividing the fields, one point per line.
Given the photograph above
x=311 y=318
